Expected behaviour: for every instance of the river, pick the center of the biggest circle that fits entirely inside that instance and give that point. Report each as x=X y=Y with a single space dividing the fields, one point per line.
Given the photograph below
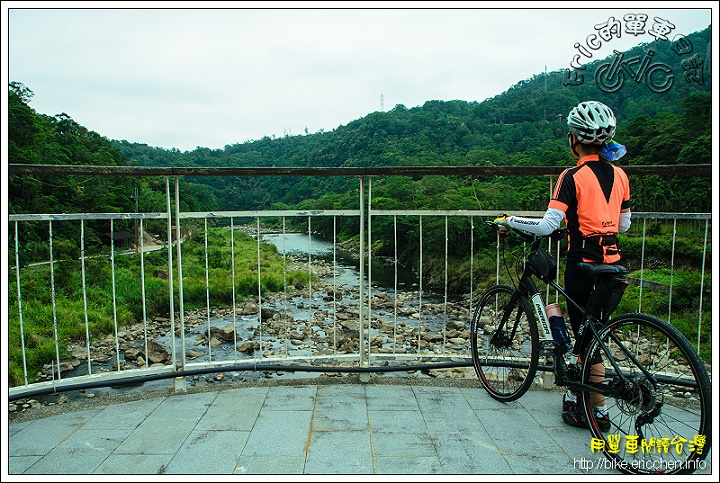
x=346 y=262
x=297 y=247
x=344 y=276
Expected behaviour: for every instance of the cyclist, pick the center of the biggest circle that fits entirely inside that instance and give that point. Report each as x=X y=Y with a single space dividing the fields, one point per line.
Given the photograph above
x=594 y=199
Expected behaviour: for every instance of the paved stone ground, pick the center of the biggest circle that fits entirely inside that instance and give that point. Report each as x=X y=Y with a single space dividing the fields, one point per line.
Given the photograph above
x=304 y=426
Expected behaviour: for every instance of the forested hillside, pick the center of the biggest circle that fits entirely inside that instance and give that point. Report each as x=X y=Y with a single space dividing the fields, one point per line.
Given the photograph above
x=523 y=126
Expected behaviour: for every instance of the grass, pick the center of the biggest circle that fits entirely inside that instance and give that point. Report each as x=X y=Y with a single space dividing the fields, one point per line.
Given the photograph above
x=683 y=311
x=238 y=269
x=42 y=313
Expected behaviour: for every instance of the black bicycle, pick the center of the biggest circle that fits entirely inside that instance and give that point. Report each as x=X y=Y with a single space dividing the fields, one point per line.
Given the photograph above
x=656 y=387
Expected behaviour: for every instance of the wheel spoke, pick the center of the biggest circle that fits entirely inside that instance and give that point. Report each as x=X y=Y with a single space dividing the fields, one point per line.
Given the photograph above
x=661 y=406
x=505 y=354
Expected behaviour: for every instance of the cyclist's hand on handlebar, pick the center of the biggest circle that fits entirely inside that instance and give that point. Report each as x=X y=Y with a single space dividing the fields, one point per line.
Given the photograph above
x=502 y=225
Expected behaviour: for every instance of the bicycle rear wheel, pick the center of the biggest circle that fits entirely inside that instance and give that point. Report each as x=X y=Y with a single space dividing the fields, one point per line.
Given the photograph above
x=661 y=415
x=504 y=354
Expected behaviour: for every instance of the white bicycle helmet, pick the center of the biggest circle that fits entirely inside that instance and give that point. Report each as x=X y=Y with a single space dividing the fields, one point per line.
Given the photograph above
x=592 y=122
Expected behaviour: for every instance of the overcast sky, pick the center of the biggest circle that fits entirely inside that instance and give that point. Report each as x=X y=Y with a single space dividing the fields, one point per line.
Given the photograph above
x=183 y=78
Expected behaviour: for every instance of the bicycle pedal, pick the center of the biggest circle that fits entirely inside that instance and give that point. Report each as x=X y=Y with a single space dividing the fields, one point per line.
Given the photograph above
x=547 y=348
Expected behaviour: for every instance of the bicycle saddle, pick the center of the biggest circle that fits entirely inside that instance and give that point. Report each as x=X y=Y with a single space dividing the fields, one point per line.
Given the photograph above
x=602 y=268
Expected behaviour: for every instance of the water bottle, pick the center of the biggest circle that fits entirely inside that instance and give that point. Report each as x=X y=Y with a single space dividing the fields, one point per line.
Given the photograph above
x=558 y=327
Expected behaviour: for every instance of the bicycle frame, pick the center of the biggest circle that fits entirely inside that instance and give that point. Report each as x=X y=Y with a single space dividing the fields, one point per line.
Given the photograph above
x=528 y=288
x=625 y=370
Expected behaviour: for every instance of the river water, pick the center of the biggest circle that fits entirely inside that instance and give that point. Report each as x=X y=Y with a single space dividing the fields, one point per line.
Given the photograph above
x=344 y=276
x=346 y=262
x=296 y=246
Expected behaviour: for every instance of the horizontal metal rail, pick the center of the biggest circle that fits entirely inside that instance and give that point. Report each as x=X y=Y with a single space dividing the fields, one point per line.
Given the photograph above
x=637 y=215
x=15 y=169
x=434 y=354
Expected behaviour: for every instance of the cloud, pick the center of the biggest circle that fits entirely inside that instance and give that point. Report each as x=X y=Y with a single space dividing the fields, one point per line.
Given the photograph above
x=214 y=76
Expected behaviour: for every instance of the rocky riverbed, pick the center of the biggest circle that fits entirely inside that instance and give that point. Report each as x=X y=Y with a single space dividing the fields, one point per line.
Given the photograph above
x=296 y=323
x=322 y=326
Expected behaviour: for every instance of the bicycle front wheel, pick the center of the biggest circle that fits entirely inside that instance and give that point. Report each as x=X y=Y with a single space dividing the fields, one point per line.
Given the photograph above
x=660 y=410
x=504 y=349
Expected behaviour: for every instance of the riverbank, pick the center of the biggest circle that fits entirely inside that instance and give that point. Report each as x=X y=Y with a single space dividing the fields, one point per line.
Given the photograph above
x=321 y=320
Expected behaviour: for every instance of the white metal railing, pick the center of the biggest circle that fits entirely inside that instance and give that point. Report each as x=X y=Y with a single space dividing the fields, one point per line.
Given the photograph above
x=419 y=332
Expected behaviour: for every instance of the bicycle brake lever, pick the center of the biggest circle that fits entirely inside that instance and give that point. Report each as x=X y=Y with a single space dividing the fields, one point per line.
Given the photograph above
x=559 y=234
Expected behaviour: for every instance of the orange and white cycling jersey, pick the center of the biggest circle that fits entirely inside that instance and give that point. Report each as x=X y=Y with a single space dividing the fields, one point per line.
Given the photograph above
x=592 y=194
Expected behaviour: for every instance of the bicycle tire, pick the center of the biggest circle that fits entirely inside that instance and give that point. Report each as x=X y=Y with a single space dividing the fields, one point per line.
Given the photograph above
x=507 y=368
x=666 y=427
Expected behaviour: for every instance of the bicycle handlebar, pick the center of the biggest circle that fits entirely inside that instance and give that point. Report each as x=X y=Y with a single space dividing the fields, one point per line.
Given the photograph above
x=528 y=237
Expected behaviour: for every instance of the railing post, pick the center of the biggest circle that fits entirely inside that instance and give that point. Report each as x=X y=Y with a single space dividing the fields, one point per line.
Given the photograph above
x=364 y=376
x=170 y=263
x=702 y=284
x=85 y=305
x=234 y=294
x=54 y=305
x=20 y=308
x=144 y=296
x=366 y=336
x=180 y=382
x=420 y=291
x=114 y=292
x=259 y=286
x=472 y=260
